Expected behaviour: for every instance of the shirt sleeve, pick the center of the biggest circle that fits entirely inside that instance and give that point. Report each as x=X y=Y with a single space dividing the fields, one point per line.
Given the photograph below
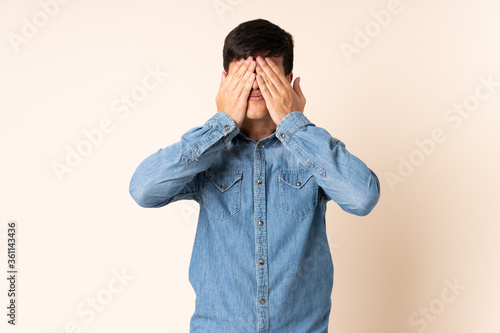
x=344 y=178
x=175 y=172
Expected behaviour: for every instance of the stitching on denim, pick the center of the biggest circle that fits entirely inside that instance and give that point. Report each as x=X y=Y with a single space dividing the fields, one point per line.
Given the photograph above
x=220 y=219
x=298 y=125
x=215 y=172
x=194 y=151
x=310 y=163
x=281 y=174
x=204 y=191
x=281 y=194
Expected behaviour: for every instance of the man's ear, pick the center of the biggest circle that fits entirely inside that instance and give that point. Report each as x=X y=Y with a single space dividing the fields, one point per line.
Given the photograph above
x=290 y=77
x=225 y=72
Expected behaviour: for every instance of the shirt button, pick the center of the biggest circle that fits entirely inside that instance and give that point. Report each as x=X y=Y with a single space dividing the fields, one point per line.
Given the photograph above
x=260 y=146
x=262 y=301
x=261 y=262
x=227 y=127
x=259 y=181
x=224 y=186
x=282 y=135
x=298 y=184
x=261 y=223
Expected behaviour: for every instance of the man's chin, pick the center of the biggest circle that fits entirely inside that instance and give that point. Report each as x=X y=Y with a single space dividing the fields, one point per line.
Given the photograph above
x=257 y=113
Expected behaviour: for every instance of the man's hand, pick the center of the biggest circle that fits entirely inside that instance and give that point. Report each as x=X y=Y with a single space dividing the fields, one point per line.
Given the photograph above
x=234 y=90
x=281 y=98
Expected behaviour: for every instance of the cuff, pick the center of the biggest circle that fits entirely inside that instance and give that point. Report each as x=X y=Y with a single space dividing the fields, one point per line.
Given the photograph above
x=223 y=123
x=289 y=124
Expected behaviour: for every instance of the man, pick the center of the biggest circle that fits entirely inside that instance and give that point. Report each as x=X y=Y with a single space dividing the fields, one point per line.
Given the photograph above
x=262 y=174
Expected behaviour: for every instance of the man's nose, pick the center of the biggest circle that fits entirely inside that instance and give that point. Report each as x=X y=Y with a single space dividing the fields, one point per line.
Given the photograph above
x=255 y=84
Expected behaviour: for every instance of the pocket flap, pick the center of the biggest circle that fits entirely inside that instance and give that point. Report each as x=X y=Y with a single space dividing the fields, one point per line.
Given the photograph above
x=296 y=178
x=223 y=180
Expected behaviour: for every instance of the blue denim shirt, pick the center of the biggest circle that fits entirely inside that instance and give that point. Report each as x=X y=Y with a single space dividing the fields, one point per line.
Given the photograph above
x=261 y=260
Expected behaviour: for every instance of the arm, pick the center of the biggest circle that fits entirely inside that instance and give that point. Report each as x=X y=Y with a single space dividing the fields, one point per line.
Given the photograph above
x=174 y=173
x=344 y=178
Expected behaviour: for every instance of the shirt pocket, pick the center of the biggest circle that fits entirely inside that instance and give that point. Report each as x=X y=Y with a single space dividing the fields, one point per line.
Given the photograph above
x=298 y=192
x=222 y=192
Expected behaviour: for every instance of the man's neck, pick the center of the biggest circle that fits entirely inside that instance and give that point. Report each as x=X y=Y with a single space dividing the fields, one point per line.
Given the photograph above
x=258 y=129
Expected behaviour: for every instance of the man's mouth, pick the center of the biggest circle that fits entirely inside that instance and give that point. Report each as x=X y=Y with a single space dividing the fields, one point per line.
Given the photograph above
x=255 y=96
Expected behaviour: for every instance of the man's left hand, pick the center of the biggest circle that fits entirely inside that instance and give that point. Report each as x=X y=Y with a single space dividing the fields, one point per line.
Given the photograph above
x=281 y=98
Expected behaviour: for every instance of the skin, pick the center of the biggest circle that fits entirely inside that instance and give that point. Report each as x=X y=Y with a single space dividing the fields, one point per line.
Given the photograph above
x=259 y=119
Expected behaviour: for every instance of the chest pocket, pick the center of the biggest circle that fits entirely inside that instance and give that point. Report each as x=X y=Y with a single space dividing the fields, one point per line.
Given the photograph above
x=298 y=192
x=222 y=192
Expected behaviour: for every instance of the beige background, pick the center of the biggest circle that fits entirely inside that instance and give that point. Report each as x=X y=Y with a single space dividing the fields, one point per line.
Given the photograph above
x=440 y=224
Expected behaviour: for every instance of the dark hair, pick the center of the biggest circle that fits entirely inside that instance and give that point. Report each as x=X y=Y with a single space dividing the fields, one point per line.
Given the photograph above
x=258 y=37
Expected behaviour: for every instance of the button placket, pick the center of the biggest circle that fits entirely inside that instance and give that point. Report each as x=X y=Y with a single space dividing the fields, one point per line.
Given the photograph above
x=261 y=246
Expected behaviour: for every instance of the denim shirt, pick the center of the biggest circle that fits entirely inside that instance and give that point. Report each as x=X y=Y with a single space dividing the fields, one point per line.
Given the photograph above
x=261 y=261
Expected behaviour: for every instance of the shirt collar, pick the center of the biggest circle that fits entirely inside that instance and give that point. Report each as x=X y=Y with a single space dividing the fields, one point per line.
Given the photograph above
x=243 y=137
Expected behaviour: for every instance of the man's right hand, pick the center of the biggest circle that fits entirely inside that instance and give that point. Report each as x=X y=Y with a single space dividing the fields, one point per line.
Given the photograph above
x=234 y=89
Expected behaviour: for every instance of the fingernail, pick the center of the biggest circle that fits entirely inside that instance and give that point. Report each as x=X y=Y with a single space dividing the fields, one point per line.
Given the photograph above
x=241 y=60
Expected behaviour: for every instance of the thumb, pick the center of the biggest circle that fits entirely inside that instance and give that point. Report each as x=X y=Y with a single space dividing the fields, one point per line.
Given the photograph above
x=296 y=87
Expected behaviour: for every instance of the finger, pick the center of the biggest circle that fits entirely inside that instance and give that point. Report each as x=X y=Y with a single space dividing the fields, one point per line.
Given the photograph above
x=269 y=85
x=264 y=90
x=246 y=76
x=243 y=67
x=277 y=71
x=273 y=77
x=237 y=66
x=249 y=77
x=297 y=89
x=233 y=70
x=238 y=75
x=245 y=92
x=223 y=77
